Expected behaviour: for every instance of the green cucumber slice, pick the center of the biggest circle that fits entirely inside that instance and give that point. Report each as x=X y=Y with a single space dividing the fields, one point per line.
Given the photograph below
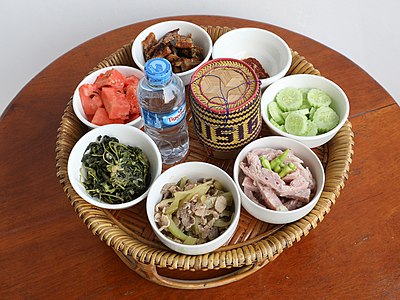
x=325 y=118
x=303 y=111
x=318 y=98
x=304 y=92
x=275 y=113
x=285 y=114
x=296 y=123
x=312 y=112
x=312 y=129
x=281 y=127
x=305 y=106
x=289 y=99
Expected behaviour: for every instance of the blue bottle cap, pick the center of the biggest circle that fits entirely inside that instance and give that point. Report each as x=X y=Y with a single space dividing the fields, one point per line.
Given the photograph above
x=158 y=71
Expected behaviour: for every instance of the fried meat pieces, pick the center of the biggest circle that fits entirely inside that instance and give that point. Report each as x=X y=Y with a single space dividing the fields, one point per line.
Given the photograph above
x=257 y=67
x=178 y=49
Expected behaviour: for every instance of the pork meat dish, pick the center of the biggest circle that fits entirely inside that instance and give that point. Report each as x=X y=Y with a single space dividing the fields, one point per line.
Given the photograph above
x=282 y=183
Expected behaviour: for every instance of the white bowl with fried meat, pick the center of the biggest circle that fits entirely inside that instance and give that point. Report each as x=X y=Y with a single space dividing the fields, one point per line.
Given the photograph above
x=199 y=37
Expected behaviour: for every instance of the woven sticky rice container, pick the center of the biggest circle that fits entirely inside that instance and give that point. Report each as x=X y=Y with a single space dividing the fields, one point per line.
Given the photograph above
x=225 y=103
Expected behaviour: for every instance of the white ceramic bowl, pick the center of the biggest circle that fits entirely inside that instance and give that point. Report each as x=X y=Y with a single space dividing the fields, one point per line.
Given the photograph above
x=91 y=78
x=340 y=104
x=194 y=171
x=127 y=135
x=269 y=49
x=200 y=38
x=310 y=160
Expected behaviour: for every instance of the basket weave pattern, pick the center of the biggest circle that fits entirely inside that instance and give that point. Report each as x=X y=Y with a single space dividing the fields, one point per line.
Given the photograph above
x=233 y=118
x=254 y=243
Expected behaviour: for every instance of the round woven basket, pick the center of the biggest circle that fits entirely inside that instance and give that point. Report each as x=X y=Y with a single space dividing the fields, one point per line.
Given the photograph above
x=254 y=243
x=225 y=104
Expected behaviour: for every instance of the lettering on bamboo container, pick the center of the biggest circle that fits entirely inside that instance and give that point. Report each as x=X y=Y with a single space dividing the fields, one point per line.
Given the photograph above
x=226 y=133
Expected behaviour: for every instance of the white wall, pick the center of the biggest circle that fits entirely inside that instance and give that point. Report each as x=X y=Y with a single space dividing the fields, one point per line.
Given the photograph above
x=34 y=33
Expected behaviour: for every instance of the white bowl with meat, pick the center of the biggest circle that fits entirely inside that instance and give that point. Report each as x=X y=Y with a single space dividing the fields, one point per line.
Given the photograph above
x=267 y=53
x=185 y=45
x=280 y=180
x=194 y=208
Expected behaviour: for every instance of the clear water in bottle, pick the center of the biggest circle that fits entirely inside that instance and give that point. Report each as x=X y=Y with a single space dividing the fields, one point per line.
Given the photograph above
x=163 y=106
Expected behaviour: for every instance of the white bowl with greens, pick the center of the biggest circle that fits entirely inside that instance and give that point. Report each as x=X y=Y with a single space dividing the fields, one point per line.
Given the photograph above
x=113 y=166
x=307 y=108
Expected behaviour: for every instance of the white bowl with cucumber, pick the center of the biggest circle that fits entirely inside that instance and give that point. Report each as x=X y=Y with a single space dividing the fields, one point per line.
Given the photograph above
x=304 y=107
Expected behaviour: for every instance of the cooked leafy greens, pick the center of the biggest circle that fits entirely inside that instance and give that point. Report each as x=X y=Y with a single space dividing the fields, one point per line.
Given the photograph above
x=115 y=173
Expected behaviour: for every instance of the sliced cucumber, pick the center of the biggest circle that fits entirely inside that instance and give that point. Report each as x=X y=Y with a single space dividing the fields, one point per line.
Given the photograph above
x=296 y=123
x=302 y=112
x=325 y=118
x=275 y=113
x=318 y=98
x=305 y=106
x=281 y=127
x=312 y=112
x=304 y=92
x=312 y=129
x=289 y=99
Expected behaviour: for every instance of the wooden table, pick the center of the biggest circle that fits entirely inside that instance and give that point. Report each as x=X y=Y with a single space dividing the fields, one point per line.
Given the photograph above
x=47 y=252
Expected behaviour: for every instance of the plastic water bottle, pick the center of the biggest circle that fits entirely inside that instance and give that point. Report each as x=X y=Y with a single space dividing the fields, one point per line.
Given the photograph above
x=163 y=106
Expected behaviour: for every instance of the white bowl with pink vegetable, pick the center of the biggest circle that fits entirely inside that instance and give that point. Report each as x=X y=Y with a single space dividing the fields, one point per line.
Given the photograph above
x=280 y=180
x=108 y=96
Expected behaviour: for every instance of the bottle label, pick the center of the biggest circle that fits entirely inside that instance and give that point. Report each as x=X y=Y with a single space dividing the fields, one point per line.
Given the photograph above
x=162 y=120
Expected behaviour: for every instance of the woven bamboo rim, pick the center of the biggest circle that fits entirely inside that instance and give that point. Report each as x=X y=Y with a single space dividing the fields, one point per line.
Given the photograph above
x=254 y=243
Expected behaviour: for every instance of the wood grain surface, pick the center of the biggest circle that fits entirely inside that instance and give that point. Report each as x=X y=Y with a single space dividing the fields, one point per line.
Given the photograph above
x=46 y=252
